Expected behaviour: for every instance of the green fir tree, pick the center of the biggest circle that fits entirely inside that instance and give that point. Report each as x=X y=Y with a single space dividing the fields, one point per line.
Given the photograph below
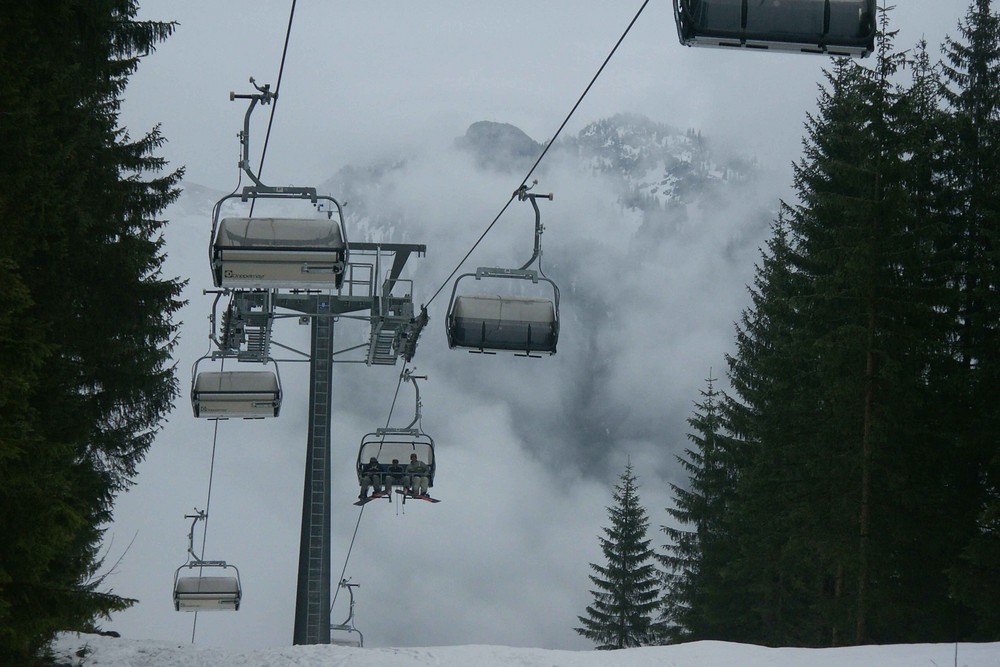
x=971 y=173
x=832 y=402
x=626 y=598
x=87 y=326
x=697 y=603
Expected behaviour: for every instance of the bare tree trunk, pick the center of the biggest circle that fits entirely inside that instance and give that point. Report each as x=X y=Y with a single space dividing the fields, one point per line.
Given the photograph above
x=864 y=521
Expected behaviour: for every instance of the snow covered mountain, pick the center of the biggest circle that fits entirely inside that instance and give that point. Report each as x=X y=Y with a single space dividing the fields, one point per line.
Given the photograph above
x=658 y=165
x=652 y=166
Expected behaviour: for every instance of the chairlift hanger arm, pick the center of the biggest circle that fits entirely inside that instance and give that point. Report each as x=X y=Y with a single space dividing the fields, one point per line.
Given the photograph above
x=195 y=518
x=410 y=377
x=263 y=96
x=522 y=194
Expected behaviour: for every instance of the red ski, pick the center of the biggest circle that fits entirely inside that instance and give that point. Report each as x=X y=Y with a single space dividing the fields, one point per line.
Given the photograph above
x=406 y=495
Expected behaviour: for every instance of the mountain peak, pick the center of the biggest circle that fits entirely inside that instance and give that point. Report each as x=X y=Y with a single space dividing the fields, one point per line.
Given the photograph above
x=498 y=145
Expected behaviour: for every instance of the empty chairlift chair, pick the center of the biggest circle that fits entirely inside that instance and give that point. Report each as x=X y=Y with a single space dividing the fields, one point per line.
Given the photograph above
x=207 y=593
x=267 y=253
x=484 y=322
x=194 y=590
x=235 y=394
x=274 y=253
x=497 y=318
x=348 y=625
x=833 y=27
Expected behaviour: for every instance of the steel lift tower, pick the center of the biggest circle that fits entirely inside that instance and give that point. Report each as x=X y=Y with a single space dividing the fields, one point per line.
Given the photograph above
x=307 y=266
x=392 y=327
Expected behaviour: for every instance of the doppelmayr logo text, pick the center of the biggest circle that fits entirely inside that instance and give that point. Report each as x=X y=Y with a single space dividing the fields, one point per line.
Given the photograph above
x=229 y=273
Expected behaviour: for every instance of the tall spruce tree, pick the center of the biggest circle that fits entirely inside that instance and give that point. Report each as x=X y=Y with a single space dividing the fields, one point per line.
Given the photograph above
x=697 y=602
x=86 y=341
x=972 y=175
x=868 y=314
x=627 y=592
x=802 y=493
x=831 y=374
x=770 y=419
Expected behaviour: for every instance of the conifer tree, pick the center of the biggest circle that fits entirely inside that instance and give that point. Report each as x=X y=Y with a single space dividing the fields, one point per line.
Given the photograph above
x=771 y=423
x=86 y=371
x=971 y=90
x=866 y=313
x=866 y=370
x=627 y=592
x=830 y=373
x=698 y=603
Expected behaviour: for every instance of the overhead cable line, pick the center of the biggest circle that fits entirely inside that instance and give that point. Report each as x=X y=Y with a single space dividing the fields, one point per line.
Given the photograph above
x=487 y=230
x=208 y=507
x=544 y=152
x=350 y=547
x=260 y=168
x=274 y=104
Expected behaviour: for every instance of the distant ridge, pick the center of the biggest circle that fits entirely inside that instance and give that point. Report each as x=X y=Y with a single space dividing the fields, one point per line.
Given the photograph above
x=499 y=145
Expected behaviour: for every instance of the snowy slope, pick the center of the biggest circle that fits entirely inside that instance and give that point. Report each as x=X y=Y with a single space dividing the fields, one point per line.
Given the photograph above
x=112 y=652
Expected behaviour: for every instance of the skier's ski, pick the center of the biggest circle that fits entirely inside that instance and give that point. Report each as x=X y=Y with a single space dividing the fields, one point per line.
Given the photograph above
x=410 y=495
x=374 y=496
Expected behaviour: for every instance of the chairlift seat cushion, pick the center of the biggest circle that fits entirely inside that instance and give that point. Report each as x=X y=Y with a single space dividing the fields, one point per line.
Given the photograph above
x=207 y=594
x=504 y=323
x=279 y=252
x=236 y=394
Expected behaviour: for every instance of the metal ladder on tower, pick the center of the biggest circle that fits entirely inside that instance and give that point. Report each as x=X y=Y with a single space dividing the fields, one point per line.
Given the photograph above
x=313 y=613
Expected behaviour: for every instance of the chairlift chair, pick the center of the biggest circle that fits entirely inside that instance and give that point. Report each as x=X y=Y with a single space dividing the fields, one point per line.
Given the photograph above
x=269 y=253
x=504 y=322
x=219 y=591
x=272 y=253
x=497 y=319
x=348 y=624
x=235 y=394
x=207 y=593
x=831 y=27
x=386 y=444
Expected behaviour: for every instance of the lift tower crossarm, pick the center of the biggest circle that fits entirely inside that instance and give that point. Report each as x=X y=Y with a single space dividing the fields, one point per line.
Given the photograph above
x=401 y=253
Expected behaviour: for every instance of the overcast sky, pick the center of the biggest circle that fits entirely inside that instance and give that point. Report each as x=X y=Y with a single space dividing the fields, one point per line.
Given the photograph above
x=504 y=558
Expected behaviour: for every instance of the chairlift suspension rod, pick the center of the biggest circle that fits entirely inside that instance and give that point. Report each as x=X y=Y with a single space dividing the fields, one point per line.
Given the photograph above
x=523 y=194
x=264 y=96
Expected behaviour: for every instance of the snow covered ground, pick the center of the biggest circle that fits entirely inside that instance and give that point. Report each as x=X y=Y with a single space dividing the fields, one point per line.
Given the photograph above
x=113 y=652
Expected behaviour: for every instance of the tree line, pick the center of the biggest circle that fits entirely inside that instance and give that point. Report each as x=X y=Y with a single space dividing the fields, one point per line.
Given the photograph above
x=86 y=316
x=846 y=488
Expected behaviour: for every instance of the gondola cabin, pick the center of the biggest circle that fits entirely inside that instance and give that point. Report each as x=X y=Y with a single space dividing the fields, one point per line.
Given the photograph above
x=207 y=593
x=386 y=445
x=832 y=27
x=279 y=253
x=236 y=395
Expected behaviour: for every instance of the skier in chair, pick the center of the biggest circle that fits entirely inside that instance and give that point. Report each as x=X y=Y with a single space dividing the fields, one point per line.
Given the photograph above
x=371 y=476
x=418 y=472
